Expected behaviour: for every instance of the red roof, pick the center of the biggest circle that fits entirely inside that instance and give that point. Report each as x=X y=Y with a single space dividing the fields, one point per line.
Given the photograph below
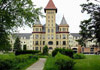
x=51 y=5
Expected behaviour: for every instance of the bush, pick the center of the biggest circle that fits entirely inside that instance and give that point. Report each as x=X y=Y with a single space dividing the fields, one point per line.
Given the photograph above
x=64 y=62
x=26 y=52
x=79 y=56
x=67 y=52
x=17 y=62
x=45 y=50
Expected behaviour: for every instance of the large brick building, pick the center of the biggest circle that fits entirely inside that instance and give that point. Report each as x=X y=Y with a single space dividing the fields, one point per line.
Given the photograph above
x=50 y=34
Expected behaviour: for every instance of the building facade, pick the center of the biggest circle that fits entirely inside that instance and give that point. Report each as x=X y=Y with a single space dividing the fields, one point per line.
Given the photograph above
x=50 y=34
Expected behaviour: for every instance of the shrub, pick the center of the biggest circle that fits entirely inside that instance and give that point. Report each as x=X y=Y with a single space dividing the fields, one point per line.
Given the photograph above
x=64 y=62
x=45 y=50
x=26 y=52
x=67 y=52
x=79 y=56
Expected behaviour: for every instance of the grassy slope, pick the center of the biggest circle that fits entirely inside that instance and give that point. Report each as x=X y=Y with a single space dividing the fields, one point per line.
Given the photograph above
x=92 y=62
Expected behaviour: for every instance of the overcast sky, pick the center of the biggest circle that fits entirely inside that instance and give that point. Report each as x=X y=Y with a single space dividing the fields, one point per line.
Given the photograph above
x=71 y=9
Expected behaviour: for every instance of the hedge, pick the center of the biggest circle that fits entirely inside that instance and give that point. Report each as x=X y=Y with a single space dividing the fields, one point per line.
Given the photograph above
x=26 y=52
x=79 y=56
x=67 y=52
x=64 y=62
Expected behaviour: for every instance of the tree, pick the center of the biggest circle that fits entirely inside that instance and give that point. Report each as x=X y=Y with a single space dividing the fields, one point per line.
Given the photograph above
x=16 y=13
x=45 y=50
x=90 y=29
x=4 y=41
x=17 y=45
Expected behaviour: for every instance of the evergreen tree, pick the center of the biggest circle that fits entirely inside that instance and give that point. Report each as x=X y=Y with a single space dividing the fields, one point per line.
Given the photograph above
x=17 y=45
x=45 y=50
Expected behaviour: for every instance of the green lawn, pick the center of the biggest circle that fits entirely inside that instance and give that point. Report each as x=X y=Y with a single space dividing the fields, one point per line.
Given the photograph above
x=20 y=62
x=91 y=62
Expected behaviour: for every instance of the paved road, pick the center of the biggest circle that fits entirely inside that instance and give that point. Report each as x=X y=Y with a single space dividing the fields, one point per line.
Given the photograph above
x=39 y=65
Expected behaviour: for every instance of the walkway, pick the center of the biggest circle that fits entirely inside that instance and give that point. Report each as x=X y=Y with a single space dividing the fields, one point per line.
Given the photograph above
x=39 y=65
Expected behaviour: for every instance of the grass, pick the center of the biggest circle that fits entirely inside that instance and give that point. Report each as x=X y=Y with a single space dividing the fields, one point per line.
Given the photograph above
x=49 y=65
x=91 y=62
x=24 y=62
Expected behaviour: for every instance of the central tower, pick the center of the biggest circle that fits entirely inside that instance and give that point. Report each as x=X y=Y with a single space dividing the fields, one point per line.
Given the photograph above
x=50 y=11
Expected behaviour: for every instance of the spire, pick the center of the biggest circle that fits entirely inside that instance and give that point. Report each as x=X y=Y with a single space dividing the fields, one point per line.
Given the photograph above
x=50 y=6
x=63 y=21
x=37 y=22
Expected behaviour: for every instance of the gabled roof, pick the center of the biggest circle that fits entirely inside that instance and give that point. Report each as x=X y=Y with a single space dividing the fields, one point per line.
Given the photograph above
x=26 y=35
x=75 y=34
x=50 y=6
x=63 y=22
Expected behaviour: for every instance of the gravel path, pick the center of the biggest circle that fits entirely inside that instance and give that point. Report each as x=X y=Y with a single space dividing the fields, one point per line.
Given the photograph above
x=39 y=65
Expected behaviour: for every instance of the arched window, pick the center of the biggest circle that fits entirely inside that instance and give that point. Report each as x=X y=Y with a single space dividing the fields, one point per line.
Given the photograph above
x=50 y=43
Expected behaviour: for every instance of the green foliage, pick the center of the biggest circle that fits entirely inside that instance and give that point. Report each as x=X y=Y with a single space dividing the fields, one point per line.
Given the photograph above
x=17 y=62
x=64 y=62
x=67 y=52
x=14 y=14
x=17 y=44
x=90 y=28
x=79 y=56
x=26 y=52
x=4 y=40
x=45 y=50
x=59 y=62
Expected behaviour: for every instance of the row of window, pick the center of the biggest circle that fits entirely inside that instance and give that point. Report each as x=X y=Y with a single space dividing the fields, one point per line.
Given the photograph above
x=37 y=29
x=49 y=43
x=51 y=37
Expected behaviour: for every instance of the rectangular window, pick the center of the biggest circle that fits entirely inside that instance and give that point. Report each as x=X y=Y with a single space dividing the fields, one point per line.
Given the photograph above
x=57 y=43
x=48 y=36
x=48 y=30
x=52 y=30
x=64 y=36
x=57 y=37
x=36 y=48
x=43 y=37
x=37 y=36
x=43 y=42
x=51 y=36
x=64 y=42
x=37 y=29
x=36 y=43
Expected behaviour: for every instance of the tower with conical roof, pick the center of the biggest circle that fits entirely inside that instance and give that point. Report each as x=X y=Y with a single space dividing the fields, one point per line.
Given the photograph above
x=51 y=11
